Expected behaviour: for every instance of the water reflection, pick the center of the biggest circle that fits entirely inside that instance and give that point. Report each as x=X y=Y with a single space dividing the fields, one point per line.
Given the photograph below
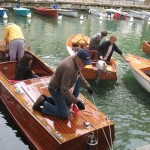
x=22 y=20
x=3 y=21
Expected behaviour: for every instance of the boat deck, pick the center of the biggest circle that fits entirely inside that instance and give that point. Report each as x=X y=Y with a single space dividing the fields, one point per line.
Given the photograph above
x=28 y=91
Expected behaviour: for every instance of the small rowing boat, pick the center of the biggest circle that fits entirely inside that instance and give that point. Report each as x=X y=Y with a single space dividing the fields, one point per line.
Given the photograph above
x=146 y=47
x=25 y=12
x=48 y=12
x=68 y=12
x=85 y=130
x=140 y=67
x=98 y=69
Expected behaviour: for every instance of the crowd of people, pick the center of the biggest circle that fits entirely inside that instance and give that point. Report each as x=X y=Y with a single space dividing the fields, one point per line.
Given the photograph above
x=67 y=74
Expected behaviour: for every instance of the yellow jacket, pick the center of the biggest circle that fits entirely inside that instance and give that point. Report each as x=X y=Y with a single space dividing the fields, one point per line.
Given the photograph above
x=12 y=32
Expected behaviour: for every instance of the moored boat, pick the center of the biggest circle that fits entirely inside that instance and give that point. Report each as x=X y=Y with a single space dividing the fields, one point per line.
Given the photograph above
x=48 y=12
x=95 y=71
x=68 y=12
x=3 y=13
x=86 y=129
x=94 y=12
x=136 y=14
x=22 y=12
x=146 y=47
x=140 y=67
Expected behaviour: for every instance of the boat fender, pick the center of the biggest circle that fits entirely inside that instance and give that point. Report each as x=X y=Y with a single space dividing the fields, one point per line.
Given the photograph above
x=101 y=65
x=18 y=90
x=5 y=15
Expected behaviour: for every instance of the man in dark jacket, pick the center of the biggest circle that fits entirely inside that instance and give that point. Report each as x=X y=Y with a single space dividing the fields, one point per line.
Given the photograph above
x=66 y=75
x=107 y=48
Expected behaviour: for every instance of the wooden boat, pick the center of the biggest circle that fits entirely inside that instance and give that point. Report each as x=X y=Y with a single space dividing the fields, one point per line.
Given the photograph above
x=91 y=71
x=86 y=129
x=140 y=67
x=146 y=47
x=25 y=12
x=3 y=13
x=46 y=11
x=68 y=12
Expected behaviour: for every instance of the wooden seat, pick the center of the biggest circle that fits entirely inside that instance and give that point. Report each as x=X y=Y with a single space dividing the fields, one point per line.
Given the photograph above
x=8 y=69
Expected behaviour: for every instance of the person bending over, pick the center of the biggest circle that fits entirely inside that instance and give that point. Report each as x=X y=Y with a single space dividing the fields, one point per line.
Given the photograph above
x=107 y=48
x=13 y=37
x=23 y=70
x=95 y=41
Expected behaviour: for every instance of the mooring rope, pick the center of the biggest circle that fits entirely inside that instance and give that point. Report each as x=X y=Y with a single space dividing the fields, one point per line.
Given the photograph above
x=102 y=125
x=110 y=134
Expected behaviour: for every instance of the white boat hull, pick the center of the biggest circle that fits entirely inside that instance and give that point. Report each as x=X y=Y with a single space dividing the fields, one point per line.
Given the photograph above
x=136 y=14
x=140 y=67
x=70 y=13
x=142 y=81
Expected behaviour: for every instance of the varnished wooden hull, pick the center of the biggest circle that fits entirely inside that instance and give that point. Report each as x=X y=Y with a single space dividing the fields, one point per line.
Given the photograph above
x=146 y=47
x=91 y=71
x=48 y=132
x=140 y=67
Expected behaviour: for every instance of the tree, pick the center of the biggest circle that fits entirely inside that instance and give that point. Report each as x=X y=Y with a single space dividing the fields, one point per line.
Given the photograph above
x=147 y=2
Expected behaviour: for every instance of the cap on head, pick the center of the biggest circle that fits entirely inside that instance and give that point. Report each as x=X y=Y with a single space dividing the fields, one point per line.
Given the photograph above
x=104 y=33
x=84 y=55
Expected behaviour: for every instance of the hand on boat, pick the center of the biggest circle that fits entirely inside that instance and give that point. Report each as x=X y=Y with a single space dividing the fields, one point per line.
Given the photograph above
x=90 y=90
x=127 y=60
x=80 y=105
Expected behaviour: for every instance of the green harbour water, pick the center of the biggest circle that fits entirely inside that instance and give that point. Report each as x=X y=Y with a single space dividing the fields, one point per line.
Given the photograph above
x=124 y=101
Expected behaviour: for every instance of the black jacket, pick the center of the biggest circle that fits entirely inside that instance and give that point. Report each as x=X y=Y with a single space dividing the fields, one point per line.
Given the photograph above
x=103 y=48
x=23 y=72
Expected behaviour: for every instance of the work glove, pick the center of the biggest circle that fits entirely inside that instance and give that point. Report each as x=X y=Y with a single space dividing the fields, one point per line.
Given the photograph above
x=90 y=91
x=80 y=105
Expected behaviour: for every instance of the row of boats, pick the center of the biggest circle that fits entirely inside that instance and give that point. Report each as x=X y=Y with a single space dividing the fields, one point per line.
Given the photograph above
x=120 y=14
x=40 y=10
x=139 y=66
x=88 y=129
x=54 y=12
